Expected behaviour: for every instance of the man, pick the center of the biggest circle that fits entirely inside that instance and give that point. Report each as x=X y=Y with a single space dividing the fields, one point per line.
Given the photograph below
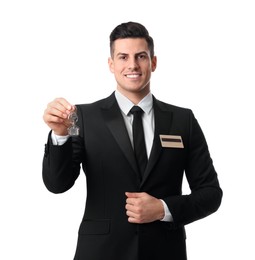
x=131 y=214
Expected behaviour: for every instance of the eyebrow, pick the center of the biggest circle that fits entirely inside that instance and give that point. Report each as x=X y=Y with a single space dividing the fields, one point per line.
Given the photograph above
x=136 y=54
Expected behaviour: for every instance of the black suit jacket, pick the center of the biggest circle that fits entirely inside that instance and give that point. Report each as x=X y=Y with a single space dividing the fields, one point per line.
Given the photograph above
x=104 y=151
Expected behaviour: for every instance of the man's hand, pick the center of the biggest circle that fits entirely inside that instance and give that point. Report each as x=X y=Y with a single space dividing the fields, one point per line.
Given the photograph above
x=143 y=208
x=56 y=115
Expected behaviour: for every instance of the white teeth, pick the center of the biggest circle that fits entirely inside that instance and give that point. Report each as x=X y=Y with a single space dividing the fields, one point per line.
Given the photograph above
x=132 y=76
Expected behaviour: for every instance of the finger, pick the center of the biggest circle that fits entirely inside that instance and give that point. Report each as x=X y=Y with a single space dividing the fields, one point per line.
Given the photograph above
x=133 y=218
x=130 y=201
x=133 y=201
x=53 y=119
x=52 y=115
x=130 y=207
x=59 y=107
x=131 y=214
x=64 y=103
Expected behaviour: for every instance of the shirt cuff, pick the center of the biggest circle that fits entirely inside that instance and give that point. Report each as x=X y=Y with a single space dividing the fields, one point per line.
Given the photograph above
x=58 y=139
x=168 y=216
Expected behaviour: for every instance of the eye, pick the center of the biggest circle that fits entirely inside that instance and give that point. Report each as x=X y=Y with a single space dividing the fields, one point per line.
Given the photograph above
x=122 y=57
x=142 y=56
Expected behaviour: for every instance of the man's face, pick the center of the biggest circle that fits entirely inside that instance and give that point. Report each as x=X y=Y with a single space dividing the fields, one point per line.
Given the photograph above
x=132 y=65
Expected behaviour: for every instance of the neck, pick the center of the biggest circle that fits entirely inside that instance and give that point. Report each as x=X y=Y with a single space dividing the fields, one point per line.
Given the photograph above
x=134 y=97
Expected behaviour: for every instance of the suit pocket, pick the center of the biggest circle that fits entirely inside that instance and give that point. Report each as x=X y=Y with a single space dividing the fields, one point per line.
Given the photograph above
x=95 y=227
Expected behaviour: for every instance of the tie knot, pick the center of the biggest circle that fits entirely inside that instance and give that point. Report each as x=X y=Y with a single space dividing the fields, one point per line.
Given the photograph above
x=136 y=110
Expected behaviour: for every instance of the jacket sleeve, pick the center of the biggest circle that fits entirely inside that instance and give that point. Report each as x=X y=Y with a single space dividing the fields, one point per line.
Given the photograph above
x=61 y=165
x=206 y=194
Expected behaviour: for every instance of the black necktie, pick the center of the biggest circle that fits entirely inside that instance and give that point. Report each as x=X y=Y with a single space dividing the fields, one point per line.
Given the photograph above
x=138 y=139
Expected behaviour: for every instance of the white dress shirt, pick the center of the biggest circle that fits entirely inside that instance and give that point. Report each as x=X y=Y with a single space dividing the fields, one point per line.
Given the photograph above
x=146 y=104
x=147 y=117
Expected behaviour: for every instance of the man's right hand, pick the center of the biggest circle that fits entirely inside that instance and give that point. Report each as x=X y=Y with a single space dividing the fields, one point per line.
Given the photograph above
x=56 y=115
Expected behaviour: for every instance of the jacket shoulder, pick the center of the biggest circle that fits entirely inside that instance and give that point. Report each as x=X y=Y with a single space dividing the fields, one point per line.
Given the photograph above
x=101 y=103
x=171 y=108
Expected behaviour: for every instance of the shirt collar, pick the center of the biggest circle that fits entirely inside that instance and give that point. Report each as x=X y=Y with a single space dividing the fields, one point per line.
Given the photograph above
x=125 y=104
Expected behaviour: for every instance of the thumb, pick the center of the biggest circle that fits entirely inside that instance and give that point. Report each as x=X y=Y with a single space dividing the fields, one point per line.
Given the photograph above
x=133 y=194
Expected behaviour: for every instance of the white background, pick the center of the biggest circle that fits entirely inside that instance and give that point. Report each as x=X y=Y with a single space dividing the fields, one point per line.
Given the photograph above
x=206 y=62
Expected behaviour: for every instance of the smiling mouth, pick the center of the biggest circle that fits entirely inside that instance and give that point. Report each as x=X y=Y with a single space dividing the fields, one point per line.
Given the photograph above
x=133 y=76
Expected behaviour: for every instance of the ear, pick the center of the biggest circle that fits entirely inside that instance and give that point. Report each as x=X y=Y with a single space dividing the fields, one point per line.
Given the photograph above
x=153 y=63
x=110 y=64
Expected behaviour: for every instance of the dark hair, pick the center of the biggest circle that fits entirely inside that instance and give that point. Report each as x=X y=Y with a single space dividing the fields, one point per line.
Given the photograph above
x=131 y=30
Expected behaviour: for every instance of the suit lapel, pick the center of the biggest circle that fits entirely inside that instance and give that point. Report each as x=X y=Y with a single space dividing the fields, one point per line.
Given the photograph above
x=113 y=118
x=163 y=120
x=114 y=121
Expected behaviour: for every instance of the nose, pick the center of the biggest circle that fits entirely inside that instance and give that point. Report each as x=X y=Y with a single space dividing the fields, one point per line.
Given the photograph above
x=133 y=64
